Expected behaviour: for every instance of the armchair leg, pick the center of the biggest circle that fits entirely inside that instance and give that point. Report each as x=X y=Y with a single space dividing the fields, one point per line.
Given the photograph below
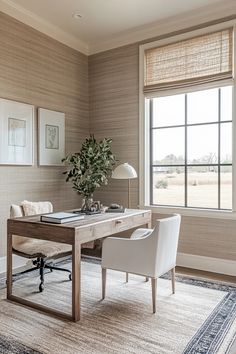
x=127 y=277
x=173 y=280
x=104 y=277
x=154 y=294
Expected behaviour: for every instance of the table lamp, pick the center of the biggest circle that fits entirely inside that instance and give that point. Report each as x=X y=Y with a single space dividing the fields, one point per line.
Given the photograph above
x=125 y=171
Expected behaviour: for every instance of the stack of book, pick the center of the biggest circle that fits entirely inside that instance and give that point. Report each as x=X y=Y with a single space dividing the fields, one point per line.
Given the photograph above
x=61 y=218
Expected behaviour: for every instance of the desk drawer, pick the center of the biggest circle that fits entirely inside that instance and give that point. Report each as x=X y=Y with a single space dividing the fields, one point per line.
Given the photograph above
x=141 y=219
x=122 y=224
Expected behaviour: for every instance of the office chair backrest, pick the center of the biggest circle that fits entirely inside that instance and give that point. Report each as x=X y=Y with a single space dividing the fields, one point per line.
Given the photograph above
x=25 y=209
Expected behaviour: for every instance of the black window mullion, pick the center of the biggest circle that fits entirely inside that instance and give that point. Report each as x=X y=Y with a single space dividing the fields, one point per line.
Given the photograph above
x=193 y=165
x=189 y=125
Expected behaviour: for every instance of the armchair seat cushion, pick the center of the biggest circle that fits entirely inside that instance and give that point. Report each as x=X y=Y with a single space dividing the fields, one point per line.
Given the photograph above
x=32 y=248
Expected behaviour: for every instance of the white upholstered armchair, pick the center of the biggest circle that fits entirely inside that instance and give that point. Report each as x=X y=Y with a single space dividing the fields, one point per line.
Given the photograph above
x=149 y=252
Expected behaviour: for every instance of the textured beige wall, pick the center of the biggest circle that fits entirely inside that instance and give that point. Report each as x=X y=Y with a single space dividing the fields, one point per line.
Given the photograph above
x=38 y=70
x=113 y=88
x=113 y=80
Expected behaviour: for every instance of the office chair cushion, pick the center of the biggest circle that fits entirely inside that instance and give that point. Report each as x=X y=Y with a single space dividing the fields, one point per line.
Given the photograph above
x=32 y=248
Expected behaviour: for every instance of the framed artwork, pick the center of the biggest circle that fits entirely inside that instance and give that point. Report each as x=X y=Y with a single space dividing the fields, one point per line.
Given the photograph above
x=16 y=133
x=51 y=137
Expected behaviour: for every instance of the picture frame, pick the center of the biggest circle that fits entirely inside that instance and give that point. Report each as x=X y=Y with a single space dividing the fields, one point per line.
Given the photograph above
x=16 y=133
x=51 y=129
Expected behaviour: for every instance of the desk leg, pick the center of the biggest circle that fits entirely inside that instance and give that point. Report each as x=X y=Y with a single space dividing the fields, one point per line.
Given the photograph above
x=9 y=265
x=76 y=283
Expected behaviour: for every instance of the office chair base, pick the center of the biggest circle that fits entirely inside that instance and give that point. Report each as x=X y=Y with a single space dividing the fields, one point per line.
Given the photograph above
x=41 y=265
x=41 y=287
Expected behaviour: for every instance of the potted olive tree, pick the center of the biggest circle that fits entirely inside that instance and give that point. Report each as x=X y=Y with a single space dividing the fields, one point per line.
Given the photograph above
x=90 y=168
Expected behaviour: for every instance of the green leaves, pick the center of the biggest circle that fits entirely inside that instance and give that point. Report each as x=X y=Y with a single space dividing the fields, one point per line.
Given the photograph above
x=91 y=167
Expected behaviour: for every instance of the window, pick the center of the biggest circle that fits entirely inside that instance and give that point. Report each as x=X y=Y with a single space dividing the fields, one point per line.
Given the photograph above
x=191 y=149
x=187 y=95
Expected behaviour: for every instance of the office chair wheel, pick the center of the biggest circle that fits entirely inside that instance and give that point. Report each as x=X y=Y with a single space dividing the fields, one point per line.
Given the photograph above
x=70 y=276
x=41 y=287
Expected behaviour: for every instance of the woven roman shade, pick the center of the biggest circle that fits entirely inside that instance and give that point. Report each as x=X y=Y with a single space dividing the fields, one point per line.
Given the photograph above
x=198 y=60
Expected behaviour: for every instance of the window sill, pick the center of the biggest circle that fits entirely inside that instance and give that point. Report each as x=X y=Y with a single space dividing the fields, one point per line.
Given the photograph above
x=217 y=214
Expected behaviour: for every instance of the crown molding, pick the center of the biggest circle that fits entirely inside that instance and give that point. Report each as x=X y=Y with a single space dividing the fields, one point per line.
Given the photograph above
x=32 y=20
x=176 y=23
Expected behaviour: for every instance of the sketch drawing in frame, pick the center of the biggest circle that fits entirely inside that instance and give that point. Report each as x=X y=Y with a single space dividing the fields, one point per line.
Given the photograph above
x=51 y=137
x=16 y=133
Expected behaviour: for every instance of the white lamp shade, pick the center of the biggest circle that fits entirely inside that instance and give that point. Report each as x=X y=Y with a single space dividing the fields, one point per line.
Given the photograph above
x=124 y=171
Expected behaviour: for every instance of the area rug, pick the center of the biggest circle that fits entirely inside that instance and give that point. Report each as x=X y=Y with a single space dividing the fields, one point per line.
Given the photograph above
x=199 y=319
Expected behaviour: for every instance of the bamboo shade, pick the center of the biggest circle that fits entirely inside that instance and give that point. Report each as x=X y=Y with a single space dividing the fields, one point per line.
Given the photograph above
x=193 y=61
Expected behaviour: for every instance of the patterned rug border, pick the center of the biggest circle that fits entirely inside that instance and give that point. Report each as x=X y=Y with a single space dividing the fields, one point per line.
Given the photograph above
x=208 y=338
x=9 y=345
x=211 y=334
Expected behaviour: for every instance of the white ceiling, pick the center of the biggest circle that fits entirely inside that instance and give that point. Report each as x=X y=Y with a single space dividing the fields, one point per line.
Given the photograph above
x=102 y=20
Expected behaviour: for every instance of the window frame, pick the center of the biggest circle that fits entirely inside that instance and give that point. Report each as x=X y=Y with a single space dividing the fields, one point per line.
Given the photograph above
x=145 y=129
x=219 y=123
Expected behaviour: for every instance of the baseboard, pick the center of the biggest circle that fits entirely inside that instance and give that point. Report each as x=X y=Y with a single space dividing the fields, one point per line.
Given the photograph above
x=18 y=263
x=209 y=264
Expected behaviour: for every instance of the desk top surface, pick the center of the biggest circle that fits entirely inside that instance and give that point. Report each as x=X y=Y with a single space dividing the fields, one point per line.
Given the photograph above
x=87 y=221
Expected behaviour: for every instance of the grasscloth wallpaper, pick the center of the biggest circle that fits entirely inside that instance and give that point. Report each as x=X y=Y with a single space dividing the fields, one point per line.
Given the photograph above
x=38 y=70
x=113 y=89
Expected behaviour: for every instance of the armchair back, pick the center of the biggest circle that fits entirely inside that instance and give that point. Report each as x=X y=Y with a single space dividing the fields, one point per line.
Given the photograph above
x=165 y=238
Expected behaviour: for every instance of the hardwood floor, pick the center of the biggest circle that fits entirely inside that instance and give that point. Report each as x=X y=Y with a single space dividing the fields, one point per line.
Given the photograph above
x=206 y=275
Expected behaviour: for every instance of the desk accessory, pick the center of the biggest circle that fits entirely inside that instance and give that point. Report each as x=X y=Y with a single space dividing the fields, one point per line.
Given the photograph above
x=125 y=171
x=115 y=208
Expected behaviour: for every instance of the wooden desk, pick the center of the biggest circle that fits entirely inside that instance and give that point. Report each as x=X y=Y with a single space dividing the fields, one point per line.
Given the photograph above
x=75 y=233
